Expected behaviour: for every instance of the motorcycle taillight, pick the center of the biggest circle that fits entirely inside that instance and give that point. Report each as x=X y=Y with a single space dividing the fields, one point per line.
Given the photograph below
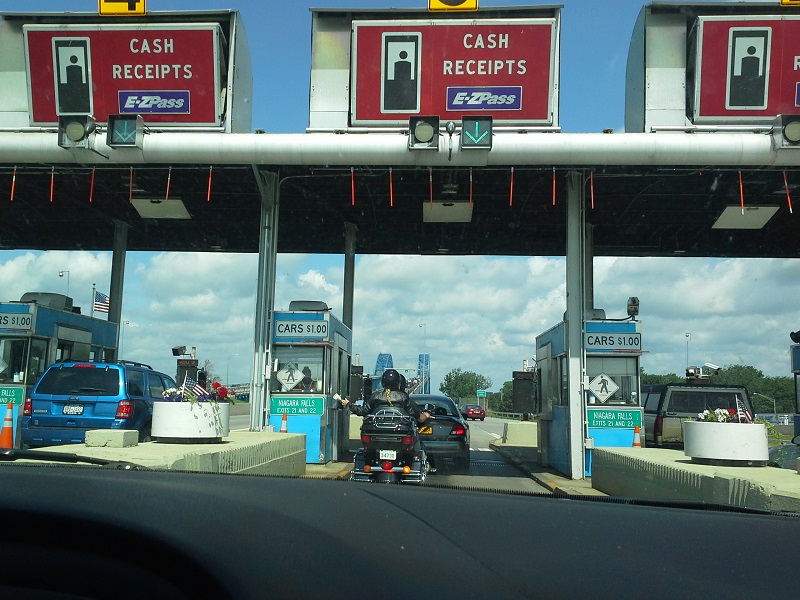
x=387 y=465
x=408 y=440
x=365 y=439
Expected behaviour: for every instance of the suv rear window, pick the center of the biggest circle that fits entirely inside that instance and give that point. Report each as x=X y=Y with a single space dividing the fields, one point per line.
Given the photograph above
x=697 y=401
x=87 y=381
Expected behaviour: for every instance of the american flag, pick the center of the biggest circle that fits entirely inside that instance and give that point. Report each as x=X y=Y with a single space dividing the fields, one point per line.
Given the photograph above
x=191 y=385
x=745 y=416
x=101 y=302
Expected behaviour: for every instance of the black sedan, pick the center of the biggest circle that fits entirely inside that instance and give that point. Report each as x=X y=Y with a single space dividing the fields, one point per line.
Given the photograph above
x=445 y=434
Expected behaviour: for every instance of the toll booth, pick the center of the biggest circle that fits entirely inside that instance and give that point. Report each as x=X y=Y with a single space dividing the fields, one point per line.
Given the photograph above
x=311 y=352
x=40 y=329
x=611 y=388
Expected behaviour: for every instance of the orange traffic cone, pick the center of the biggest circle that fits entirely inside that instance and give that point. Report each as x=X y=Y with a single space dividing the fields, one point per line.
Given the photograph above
x=637 y=437
x=7 y=433
x=284 y=421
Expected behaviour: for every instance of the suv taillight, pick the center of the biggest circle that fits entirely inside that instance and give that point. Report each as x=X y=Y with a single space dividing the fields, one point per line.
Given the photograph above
x=124 y=409
x=658 y=429
x=27 y=409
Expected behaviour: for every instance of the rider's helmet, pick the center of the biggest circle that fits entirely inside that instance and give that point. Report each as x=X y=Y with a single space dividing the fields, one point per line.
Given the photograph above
x=403 y=383
x=391 y=380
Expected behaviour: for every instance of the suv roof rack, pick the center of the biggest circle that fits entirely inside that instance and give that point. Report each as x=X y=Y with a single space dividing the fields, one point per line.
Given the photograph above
x=133 y=363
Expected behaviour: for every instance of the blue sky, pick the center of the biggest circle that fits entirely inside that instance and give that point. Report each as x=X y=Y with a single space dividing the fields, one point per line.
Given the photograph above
x=479 y=313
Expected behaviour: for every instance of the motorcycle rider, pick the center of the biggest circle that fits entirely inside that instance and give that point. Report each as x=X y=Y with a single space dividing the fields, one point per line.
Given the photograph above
x=392 y=394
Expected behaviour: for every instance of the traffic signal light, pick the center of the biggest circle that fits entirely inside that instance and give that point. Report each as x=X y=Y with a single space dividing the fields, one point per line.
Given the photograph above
x=476 y=133
x=423 y=133
x=125 y=131
x=74 y=131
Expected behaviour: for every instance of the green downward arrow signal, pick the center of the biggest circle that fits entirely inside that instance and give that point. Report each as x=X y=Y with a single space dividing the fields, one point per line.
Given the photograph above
x=478 y=135
x=124 y=135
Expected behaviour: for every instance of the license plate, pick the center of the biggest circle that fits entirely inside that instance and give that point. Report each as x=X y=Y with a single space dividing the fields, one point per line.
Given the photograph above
x=426 y=430
x=72 y=409
x=388 y=454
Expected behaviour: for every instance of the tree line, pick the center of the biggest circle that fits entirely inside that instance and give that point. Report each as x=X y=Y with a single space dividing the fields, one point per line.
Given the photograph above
x=767 y=394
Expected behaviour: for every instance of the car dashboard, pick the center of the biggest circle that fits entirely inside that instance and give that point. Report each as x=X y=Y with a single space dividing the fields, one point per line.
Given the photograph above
x=88 y=532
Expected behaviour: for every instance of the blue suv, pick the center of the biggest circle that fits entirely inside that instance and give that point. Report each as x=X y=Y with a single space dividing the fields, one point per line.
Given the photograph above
x=73 y=397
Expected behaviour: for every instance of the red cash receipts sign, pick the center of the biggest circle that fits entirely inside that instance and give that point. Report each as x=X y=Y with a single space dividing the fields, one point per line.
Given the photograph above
x=747 y=68
x=168 y=74
x=450 y=68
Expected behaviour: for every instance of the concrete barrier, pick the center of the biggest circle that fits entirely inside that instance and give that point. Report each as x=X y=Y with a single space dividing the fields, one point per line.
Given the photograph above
x=263 y=453
x=659 y=473
x=521 y=433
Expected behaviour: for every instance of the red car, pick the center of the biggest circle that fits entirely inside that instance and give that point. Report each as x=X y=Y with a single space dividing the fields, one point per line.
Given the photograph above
x=472 y=411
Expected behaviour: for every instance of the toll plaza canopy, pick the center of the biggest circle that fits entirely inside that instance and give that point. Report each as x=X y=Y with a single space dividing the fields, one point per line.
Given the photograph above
x=702 y=169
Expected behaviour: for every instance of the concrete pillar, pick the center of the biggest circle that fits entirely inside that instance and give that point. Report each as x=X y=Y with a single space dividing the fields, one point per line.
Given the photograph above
x=117 y=275
x=350 y=232
x=265 y=298
x=574 y=317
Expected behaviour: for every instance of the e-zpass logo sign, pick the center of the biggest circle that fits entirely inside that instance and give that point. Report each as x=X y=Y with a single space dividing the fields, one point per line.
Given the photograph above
x=171 y=102
x=484 y=98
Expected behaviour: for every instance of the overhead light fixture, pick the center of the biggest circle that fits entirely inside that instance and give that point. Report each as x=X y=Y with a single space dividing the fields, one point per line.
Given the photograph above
x=423 y=133
x=753 y=217
x=75 y=131
x=159 y=208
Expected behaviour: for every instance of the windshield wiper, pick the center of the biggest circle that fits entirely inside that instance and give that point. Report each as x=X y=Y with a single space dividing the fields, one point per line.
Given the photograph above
x=12 y=455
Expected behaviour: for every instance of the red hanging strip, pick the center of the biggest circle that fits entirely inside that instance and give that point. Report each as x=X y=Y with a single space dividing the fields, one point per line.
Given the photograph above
x=741 y=191
x=788 y=195
x=169 y=180
x=13 y=183
x=391 y=188
x=130 y=187
x=208 y=191
x=554 y=186
x=91 y=187
x=430 y=182
x=352 y=186
x=52 y=181
x=470 y=186
x=591 y=187
x=511 y=191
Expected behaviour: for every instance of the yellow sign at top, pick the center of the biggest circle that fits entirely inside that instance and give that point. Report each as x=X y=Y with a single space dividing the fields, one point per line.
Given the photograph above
x=116 y=8
x=790 y=2
x=452 y=5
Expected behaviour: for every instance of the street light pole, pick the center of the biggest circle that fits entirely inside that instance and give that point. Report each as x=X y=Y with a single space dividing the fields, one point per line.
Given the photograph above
x=688 y=339
x=61 y=274
x=122 y=336
x=424 y=361
x=774 y=403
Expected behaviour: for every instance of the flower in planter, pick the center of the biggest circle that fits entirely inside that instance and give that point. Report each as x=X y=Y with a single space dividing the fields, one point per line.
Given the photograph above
x=719 y=415
x=191 y=391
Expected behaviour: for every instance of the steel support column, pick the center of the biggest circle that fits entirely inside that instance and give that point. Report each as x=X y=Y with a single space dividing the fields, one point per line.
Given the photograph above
x=265 y=299
x=576 y=278
x=350 y=231
x=117 y=276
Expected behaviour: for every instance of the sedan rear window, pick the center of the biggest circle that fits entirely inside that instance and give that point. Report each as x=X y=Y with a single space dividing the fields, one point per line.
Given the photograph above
x=80 y=380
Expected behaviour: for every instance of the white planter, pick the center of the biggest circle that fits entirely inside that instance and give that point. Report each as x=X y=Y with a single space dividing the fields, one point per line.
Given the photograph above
x=190 y=422
x=736 y=444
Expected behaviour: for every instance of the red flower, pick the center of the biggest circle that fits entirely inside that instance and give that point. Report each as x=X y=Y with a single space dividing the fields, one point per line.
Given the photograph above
x=215 y=385
x=222 y=392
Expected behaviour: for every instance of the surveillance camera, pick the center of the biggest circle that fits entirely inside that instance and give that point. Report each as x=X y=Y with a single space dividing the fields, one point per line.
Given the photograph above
x=713 y=367
x=451 y=127
x=795 y=336
x=178 y=350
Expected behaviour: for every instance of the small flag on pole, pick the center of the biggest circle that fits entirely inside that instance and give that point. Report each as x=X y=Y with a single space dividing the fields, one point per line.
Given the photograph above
x=191 y=385
x=745 y=416
x=101 y=302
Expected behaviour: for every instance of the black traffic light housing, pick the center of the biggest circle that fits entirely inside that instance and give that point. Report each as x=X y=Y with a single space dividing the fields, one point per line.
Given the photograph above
x=423 y=133
x=74 y=131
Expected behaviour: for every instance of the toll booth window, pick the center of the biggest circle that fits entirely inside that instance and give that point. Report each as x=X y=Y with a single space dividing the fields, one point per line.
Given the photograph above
x=622 y=374
x=12 y=359
x=37 y=361
x=299 y=370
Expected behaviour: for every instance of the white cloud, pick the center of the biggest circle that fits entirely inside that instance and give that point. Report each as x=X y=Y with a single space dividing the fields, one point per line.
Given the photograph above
x=479 y=313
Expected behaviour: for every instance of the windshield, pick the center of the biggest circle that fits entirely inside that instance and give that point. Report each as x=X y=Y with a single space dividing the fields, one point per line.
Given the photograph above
x=565 y=234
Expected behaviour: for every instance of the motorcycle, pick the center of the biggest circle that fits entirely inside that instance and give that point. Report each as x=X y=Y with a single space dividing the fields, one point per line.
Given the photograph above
x=391 y=451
